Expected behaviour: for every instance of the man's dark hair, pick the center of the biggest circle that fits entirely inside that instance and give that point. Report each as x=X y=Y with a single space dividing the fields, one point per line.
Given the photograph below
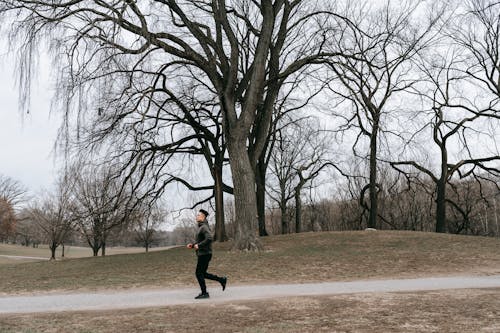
x=204 y=212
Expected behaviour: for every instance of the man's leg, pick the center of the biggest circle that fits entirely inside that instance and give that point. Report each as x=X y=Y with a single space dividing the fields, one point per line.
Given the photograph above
x=201 y=270
x=221 y=280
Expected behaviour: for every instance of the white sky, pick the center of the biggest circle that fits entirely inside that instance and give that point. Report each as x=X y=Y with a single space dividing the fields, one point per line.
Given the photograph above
x=27 y=140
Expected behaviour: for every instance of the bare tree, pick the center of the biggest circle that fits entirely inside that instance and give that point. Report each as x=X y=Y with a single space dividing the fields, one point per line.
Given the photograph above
x=166 y=131
x=301 y=152
x=477 y=35
x=455 y=116
x=7 y=220
x=290 y=100
x=407 y=203
x=388 y=38
x=283 y=159
x=146 y=227
x=27 y=231
x=102 y=203
x=52 y=215
x=11 y=190
x=315 y=157
x=244 y=51
x=11 y=194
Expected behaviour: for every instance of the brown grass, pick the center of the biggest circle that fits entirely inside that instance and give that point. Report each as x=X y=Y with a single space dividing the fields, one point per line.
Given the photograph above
x=308 y=257
x=43 y=251
x=443 y=311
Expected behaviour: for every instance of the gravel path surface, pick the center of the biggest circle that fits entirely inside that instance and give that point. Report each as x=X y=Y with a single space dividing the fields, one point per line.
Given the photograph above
x=108 y=300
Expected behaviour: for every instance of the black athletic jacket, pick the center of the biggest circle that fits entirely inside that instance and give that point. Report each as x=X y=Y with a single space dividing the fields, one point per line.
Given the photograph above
x=204 y=239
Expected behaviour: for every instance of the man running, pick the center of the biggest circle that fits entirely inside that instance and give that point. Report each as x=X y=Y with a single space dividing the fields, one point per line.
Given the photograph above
x=203 y=247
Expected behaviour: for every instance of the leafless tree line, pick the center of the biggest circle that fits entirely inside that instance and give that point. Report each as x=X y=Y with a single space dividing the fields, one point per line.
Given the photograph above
x=166 y=89
x=472 y=209
x=90 y=203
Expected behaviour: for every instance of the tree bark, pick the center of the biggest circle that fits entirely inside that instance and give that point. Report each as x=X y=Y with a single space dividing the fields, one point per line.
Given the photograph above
x=298 y=211
x=94 y=245
x=441 y=190
x=244 y=197
x=53 y=248
x=260 y=180
x=220 y=228
x=372 y=219
x=285 y=225
x=441 y=206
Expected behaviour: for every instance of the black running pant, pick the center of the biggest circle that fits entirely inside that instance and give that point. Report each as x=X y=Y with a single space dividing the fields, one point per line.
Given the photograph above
x=201 y=272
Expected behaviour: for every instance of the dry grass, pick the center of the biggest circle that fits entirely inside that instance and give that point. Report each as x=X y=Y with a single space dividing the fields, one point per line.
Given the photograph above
x=308 y=257
x=444 y=311
x=71 y=252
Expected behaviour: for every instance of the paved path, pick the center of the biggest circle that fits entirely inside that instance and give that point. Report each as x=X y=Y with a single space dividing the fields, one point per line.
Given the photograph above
x=162 y=297
x=23 y=257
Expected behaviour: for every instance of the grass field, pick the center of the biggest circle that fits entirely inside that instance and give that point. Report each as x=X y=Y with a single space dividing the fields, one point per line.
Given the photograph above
x=307 y=257
x=469 y=311
x=70 y=252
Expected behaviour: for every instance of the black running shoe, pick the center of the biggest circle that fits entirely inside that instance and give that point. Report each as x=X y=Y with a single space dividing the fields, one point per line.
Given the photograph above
x=202 y=296
x=223 y=282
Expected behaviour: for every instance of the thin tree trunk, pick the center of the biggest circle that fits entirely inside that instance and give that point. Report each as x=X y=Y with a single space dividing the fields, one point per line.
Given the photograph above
x=103 y=249
x=495 y=212
x=95 y=246
x=62 y=254
x=53 y=248
x=260 y=180
x=298 y=211
x=284 y=219
x=220 y=227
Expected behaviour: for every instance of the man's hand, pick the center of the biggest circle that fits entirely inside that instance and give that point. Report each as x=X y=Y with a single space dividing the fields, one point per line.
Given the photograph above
x=189 y=246
x=196 y=246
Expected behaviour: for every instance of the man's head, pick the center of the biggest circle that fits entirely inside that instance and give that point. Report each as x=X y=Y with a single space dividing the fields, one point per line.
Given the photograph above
x=201 y=216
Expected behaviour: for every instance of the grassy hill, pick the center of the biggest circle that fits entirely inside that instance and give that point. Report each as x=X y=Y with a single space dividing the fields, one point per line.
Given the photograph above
x=307 y=257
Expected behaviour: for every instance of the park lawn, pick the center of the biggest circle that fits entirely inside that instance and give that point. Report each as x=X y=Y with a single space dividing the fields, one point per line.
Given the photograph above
x=468 y=311
x=306 y=257
x=70 y=251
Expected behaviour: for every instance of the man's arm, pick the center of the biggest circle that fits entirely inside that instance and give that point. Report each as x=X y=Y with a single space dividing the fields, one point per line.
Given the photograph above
x=207 y=235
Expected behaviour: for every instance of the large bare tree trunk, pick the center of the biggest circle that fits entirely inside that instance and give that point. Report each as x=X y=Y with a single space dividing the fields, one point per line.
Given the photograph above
x=372 y=220
x=211 y=41
x=245 y=199
x=441 y=190
x=441 y=206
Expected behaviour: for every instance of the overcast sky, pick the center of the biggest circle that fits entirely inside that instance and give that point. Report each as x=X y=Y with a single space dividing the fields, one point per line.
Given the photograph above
x=27 y=140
